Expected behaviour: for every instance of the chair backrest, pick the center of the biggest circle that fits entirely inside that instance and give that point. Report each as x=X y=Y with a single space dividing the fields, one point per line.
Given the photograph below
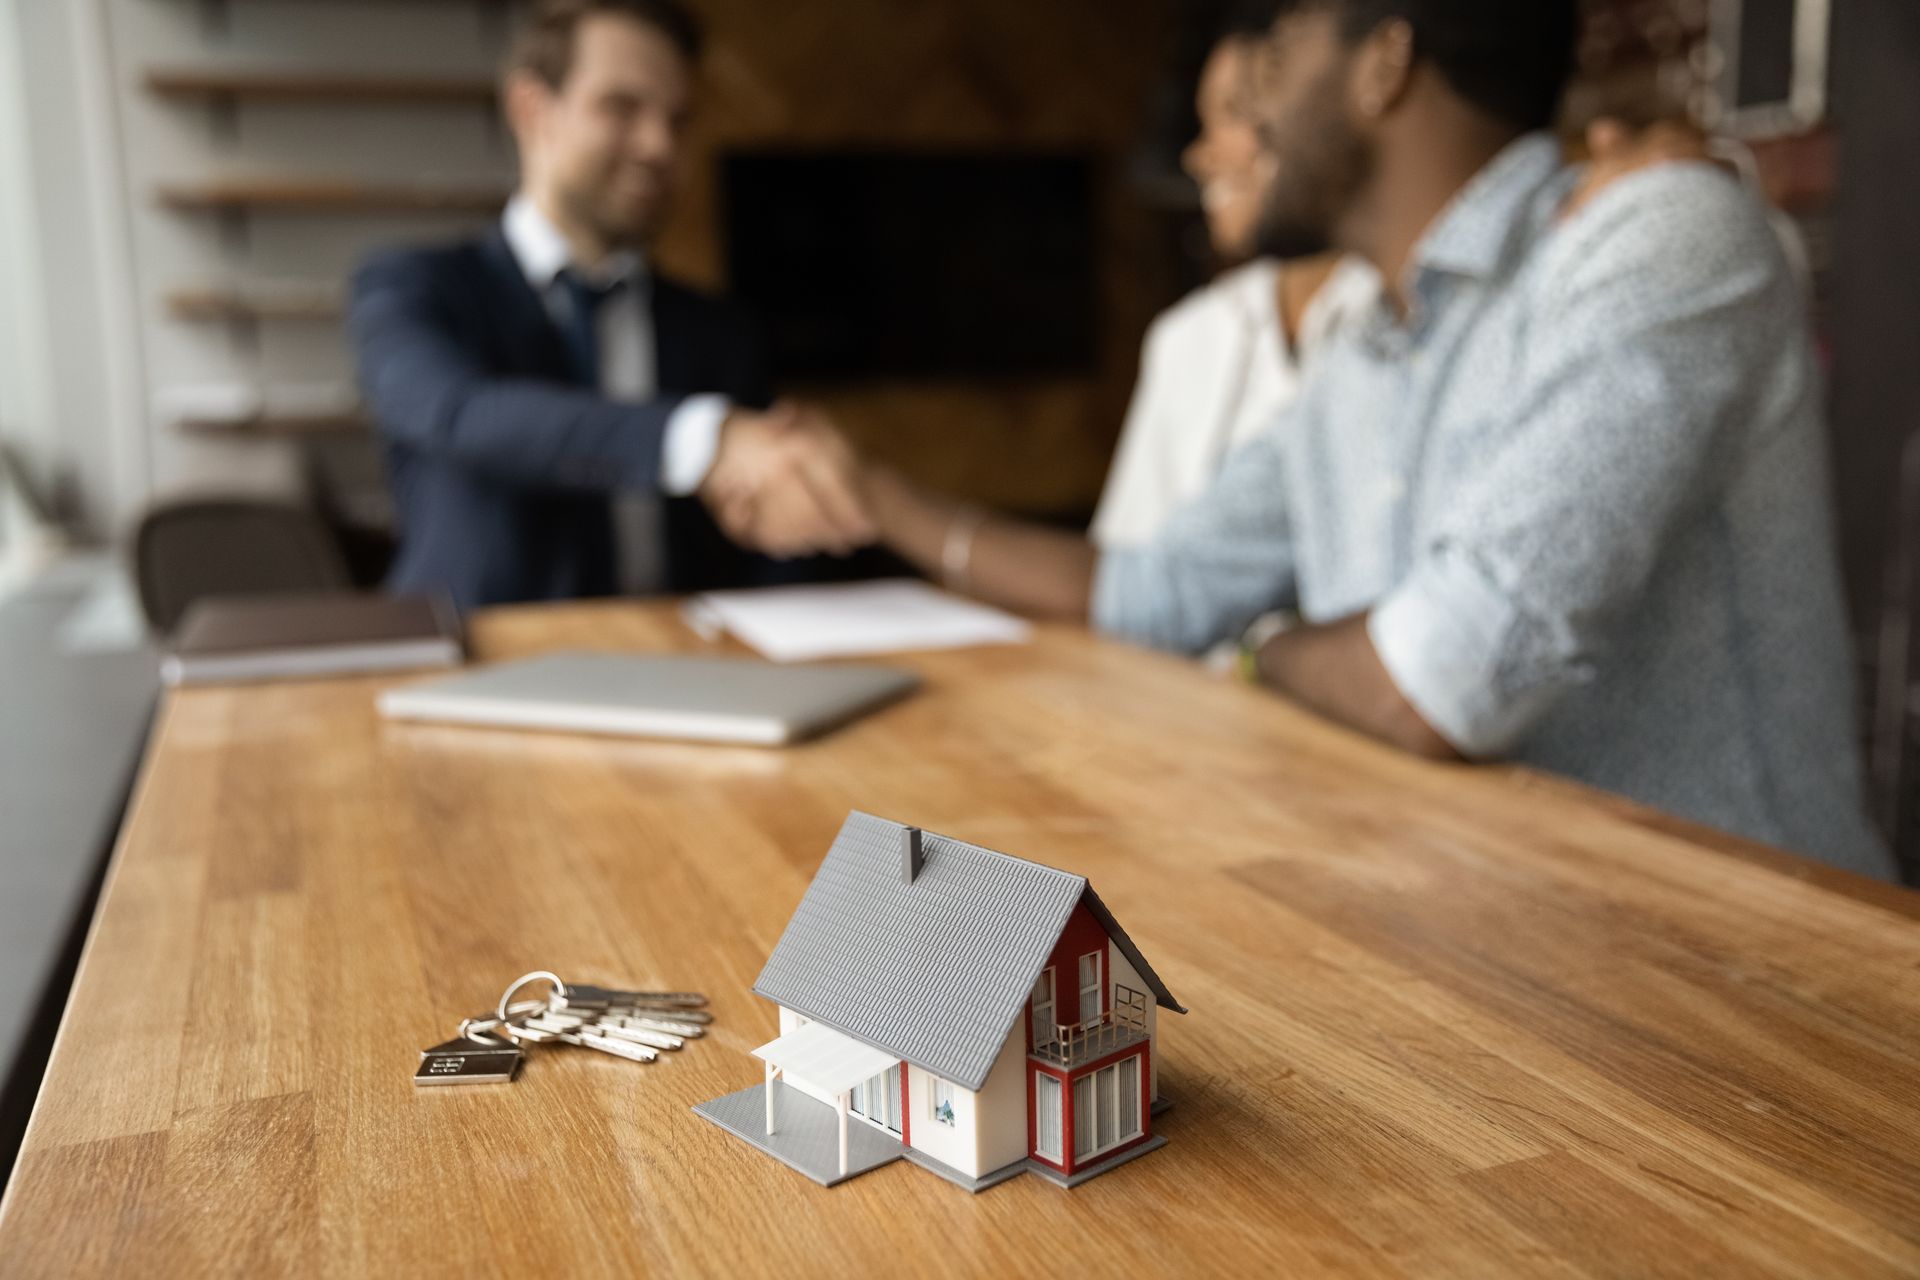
x=184 y=551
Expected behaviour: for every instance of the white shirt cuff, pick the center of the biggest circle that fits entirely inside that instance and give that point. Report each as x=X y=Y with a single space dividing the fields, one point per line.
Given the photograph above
x=691 y=443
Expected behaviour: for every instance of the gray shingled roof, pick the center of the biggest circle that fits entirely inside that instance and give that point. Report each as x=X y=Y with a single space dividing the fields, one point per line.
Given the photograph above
x=935 y=971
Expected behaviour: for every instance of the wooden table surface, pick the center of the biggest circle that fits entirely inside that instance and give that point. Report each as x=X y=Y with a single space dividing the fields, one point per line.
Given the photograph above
x=1445 y=1021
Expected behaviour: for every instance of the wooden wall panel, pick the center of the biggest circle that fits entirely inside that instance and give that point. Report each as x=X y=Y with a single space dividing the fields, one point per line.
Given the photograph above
x=954 y=73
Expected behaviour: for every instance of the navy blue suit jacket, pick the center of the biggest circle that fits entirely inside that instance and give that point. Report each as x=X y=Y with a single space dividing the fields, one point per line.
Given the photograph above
x=501 y=467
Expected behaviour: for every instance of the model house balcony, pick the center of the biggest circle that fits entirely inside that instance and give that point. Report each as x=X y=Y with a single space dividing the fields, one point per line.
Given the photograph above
x=1116 y=1028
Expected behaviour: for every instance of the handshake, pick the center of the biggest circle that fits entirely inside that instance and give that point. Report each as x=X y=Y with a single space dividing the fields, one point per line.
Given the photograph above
x=786 y=483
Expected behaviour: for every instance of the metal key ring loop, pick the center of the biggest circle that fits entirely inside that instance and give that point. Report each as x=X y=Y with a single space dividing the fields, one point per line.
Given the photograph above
x=538 y=975
x=474 y=1030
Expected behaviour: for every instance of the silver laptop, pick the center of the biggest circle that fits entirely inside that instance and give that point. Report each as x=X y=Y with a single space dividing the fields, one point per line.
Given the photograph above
x=666 y=696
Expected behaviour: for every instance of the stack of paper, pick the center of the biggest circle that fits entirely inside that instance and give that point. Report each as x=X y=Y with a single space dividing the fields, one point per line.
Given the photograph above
x=798 y=624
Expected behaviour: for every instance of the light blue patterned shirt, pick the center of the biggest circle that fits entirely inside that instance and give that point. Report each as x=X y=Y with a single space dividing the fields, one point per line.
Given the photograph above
x=1582 y=491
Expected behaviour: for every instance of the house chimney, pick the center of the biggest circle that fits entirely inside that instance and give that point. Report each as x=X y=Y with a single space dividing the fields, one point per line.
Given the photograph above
x=912 y=857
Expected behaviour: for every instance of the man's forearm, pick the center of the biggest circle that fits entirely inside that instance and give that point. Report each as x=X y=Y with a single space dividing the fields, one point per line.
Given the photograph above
x=1044 y=572
x=1333 y=669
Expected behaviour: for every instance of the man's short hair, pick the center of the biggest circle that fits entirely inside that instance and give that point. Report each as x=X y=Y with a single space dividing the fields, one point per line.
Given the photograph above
x=1512 y=59
x=544 y=45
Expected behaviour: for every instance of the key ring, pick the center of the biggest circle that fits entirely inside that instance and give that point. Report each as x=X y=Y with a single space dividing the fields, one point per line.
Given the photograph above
x=559 y=987
x=476 y=1029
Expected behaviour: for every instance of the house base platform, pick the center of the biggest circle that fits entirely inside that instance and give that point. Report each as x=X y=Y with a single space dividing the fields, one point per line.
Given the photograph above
x=1059 y=1179
x=807 y=1133
x=960 y=1179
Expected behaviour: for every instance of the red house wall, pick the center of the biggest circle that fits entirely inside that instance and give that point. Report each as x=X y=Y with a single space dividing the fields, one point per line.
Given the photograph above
x=1082 y=934
x=1068 y=1164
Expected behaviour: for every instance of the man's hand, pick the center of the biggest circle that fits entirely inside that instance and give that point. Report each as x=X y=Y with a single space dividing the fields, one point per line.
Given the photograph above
x=784 y=482
x=1618 y=149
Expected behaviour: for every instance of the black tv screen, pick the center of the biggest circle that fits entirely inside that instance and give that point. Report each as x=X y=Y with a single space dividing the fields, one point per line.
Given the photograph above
x=868 y=264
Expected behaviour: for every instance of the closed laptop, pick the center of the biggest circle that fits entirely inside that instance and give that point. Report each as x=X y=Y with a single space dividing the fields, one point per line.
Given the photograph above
x=691 y=698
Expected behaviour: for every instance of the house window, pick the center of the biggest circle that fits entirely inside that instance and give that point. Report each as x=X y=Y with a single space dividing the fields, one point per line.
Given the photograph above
x=1106 y=1108
x=940 y=1103
x=1043 y=1009
x=1046 y=1117
x=877 y=1101
x=1090 y=1001
x=1084 y=1123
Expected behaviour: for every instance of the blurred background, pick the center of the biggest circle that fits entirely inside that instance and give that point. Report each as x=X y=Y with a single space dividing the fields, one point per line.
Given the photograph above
x=184 y=185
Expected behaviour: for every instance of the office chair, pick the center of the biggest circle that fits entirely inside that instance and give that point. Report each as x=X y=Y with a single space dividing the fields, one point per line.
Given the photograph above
x=186 y=550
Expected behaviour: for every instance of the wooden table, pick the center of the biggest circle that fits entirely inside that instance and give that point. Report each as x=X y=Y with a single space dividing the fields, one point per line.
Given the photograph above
x=1445 y=1021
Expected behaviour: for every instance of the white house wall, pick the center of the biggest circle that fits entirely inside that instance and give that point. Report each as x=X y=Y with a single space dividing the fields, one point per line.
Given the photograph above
x=989 y=1129
x=953 y=1145
x=1002 y=1131
x=1123 y=974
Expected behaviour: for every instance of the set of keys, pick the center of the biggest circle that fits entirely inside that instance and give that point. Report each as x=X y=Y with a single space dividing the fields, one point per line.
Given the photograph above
x=636 y=1025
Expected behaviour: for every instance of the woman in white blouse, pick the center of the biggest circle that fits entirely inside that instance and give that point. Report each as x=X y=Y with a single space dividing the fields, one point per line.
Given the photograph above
x=1220 y=365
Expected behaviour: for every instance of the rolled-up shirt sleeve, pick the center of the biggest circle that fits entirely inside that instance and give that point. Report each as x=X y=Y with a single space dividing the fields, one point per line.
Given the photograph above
x=1220 y=562
x=1443 y=636
x=1621 y=425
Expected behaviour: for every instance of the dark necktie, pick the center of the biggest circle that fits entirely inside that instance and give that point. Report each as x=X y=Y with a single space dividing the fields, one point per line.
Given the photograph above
x=579 y=326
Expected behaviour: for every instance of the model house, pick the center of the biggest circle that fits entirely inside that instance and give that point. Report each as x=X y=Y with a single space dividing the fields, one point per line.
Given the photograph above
x=972 y=1012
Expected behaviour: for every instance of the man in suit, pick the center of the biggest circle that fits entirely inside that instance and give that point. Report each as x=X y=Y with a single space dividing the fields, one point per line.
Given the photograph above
x=561 y=421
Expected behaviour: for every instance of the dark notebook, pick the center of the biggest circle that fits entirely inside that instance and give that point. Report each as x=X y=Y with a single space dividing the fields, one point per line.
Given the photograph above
x=293 y=637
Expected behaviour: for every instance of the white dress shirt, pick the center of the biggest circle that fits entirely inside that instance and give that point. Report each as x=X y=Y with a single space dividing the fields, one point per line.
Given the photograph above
x=623 y=326
x=1216 y=370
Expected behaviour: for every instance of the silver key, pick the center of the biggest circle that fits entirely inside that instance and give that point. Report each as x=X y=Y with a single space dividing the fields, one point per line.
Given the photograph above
x=555 y=1022
x=669 y=1012
x=586 y=996
x=673 y=1027
x=658 y=1039
x=605 y=1044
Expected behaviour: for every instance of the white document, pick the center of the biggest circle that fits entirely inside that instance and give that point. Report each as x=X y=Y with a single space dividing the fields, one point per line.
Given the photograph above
x=798 y=624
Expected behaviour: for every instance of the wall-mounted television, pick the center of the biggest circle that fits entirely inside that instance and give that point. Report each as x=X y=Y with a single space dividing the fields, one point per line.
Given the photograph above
x=882 y=265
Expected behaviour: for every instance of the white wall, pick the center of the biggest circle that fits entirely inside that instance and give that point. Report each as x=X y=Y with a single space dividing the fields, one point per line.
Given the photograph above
x=1002 y=1133
x=88 y=346
x=65 y=372
x=1122 y=974
x=989 y=1129
x=953 y=1144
